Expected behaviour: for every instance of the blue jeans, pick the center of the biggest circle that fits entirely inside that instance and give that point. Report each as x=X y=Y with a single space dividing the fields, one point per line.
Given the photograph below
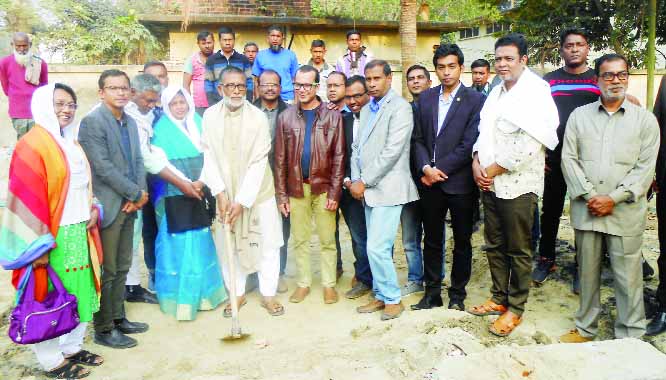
x=382 y=224
x=412 y=230
x=354 y=213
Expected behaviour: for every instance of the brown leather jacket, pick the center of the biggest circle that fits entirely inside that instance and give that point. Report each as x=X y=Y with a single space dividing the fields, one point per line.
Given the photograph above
x=326 y=160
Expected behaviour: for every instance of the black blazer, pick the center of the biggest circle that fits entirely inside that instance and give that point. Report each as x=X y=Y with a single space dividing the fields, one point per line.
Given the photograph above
x=454 y=143
x=348 y=124
x=660 y=113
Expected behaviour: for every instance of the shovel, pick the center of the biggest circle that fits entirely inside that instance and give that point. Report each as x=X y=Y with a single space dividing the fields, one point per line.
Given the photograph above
x=236 y=332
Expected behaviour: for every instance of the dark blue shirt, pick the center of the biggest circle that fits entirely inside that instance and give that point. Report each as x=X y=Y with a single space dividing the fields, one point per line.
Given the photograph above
x=307 y=143
x=127 y=150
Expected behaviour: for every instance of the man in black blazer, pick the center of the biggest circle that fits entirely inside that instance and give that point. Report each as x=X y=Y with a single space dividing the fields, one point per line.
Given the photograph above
x=446 y=127
x=356 y=96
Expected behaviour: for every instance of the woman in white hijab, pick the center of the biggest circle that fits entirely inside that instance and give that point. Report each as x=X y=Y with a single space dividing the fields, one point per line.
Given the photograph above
x=187 y=272
x=49 y=175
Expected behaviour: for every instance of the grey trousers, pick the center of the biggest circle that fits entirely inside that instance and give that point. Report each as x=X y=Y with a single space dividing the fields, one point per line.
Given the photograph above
x=117 y=245
x=625 y=256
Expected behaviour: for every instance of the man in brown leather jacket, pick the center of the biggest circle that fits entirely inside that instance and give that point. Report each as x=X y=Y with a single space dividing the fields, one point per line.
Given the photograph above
x=309 y=168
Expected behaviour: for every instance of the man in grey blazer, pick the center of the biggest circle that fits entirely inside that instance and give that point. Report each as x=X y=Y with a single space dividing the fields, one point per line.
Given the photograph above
x=382 y=179
x=111 y=141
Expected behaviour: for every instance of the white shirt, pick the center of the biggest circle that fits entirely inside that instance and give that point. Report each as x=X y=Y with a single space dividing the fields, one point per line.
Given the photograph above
x=76 y=208
x=445 y=105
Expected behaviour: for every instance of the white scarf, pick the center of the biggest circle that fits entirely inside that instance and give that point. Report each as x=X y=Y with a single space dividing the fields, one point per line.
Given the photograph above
x=527 y=106
x=187 y=125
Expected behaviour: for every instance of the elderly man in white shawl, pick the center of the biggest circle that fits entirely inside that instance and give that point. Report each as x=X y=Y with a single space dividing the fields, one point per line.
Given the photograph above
x=236 y=141
x=518 y=121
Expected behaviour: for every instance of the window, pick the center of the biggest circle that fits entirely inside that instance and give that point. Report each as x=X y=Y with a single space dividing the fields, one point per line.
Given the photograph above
x=469 y=33
x=496 y=28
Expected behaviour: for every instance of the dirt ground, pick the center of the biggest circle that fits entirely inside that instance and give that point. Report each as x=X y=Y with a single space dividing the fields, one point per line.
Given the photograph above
x=317 y=341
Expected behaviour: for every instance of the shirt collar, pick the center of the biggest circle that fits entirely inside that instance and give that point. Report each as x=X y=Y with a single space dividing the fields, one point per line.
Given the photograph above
x=623 y=107
x=452 y=95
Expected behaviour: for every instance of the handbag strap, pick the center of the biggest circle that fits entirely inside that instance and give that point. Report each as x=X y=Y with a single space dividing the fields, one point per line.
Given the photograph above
x=27 y=285
x=55 y=280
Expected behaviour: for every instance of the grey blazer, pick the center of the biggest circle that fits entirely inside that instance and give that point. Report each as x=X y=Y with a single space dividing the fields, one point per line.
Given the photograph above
x=381 y=160
x=99 y=135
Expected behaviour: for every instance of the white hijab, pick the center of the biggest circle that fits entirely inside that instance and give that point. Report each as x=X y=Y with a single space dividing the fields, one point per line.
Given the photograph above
x=187 y=125
x=43 y=112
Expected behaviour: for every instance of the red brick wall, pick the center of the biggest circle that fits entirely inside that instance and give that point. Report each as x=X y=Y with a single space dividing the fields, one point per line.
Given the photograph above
x=275 y=8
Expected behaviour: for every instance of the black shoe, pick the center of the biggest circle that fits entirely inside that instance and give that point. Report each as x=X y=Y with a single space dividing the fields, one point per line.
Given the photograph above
x=114 y=339
x=457 y=305
x=127 y=327
x=543 y=268
x=575 y=282
x=428 y=302
x=359 y=290
x=657 y=325
x=136 y=293
x=648 y=272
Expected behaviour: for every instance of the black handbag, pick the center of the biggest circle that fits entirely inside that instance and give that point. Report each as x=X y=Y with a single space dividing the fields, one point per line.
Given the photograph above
x=185 y=213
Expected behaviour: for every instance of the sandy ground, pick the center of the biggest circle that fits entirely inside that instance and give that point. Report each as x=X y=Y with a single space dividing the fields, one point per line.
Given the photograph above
x=317 y=341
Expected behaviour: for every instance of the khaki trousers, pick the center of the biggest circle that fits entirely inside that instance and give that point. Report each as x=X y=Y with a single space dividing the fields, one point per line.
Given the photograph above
x=303 y=210
x=625 y=256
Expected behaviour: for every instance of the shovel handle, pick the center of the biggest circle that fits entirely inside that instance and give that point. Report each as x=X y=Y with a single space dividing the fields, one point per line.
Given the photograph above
x=231 y=265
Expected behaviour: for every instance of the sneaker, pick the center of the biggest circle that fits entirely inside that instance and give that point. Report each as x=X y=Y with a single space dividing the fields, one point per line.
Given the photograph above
x=544 y=267
x=411 y=287
x=359 y=290
x=648 y=271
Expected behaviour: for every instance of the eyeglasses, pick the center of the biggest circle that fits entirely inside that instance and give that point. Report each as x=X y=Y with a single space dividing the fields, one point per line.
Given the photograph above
x=235 y=86
x=334 y=85
x=117 y=89
x=59 y=106
x=269 y=86
x=305 y=86
x=356 y=97
x=609 y=76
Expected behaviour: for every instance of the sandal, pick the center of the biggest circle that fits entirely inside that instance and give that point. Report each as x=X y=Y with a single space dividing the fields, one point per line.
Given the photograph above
x=488 y=308
x=505 y=324
x=273 y=308
x=70 y=370
x=227 y=308
x=86 y=358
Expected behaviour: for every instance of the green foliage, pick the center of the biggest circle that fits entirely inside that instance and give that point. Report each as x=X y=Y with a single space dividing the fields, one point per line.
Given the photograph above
x=389 y=10
x=617 y=25
x=98 y=32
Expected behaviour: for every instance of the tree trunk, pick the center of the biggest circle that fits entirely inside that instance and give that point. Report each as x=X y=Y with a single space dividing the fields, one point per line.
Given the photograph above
x=408 y=10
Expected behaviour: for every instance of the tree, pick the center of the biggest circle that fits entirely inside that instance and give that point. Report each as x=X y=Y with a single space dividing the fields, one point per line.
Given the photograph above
x=390 y=10
x=618 y=25
x=18 y=16
x=98 y=32
x=408 y=10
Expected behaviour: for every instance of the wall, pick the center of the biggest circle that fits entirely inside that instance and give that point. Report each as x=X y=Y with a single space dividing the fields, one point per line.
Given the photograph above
x=84 y=81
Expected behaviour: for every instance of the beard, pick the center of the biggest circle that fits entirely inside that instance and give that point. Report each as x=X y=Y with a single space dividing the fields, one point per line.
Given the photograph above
x=23 y=59
x=233 y=104
x=275 y=48
x=613 y=96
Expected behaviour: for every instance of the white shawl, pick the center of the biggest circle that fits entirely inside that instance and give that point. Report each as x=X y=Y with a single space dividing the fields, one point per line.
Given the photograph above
x=527 y=106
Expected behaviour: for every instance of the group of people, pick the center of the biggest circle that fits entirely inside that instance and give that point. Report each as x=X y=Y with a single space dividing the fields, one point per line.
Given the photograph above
x=279 y=150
